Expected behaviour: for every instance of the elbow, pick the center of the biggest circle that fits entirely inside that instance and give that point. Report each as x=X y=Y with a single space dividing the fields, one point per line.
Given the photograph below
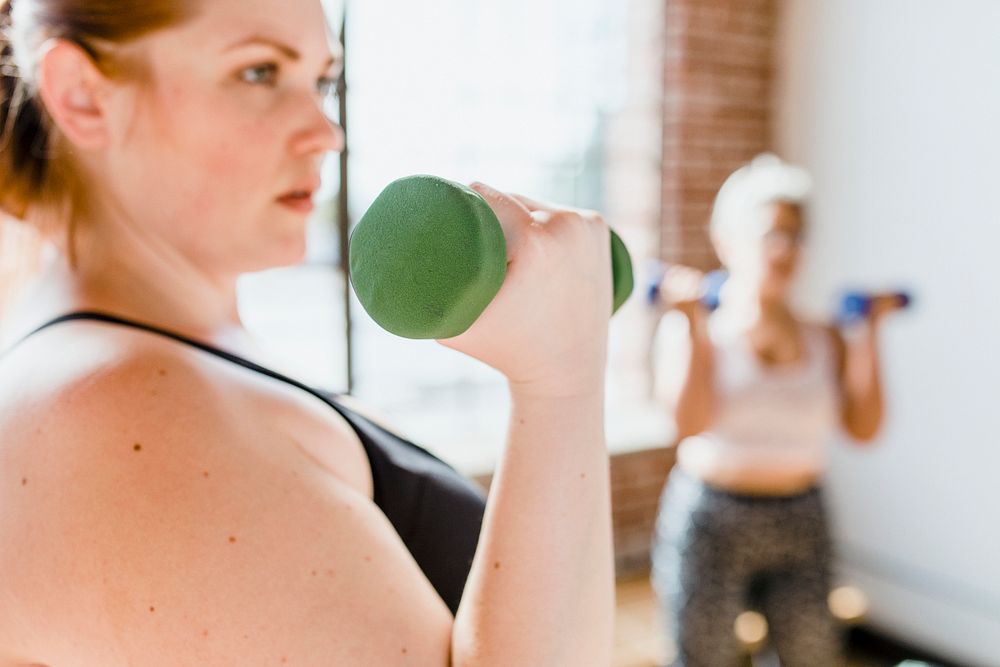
x=864 y=437
x=861 y=417
x=687 y=428
x=863 y=431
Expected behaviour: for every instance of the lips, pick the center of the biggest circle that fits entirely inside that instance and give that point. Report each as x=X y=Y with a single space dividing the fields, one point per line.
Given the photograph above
x=299 y=199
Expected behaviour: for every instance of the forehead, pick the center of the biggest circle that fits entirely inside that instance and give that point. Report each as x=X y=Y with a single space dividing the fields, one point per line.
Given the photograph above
x=302 y=24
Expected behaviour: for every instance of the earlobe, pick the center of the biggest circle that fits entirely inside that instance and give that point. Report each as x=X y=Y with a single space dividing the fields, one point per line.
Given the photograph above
x=68 y=83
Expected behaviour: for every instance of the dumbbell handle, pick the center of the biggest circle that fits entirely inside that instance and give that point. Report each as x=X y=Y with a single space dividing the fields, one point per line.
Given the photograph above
x=858 y=305
x=711 y=286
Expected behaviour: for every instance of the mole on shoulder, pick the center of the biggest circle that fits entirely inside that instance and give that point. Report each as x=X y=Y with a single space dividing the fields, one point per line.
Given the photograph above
x=24 y=481
x=137 y=447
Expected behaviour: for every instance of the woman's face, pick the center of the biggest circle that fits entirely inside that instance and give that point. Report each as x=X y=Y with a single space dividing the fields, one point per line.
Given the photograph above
x=218 y=151
x=767 y=262
x=780 y=247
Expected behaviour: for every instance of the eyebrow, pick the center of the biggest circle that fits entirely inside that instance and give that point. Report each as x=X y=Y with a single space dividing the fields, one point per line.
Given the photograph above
x=288 y=51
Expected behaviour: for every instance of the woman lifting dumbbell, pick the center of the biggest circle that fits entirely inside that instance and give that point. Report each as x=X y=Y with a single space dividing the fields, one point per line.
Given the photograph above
x=741 y=519
x=168 y=499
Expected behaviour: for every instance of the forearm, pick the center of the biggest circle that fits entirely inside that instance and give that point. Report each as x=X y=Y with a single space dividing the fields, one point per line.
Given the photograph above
x=863 y=385
x=695 y=400
x=541 y=590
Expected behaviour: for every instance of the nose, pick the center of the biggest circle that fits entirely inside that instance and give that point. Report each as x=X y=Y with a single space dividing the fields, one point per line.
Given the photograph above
x=318 y=135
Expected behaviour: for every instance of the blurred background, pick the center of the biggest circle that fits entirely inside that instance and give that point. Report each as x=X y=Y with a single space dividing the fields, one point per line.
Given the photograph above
x=640 y=109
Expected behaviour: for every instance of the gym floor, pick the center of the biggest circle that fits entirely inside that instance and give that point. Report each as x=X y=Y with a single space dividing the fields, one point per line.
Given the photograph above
x=638 y=642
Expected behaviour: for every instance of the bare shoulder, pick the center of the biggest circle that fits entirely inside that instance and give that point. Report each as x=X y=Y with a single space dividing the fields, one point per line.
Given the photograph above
x=105 y=390
x=187 y=525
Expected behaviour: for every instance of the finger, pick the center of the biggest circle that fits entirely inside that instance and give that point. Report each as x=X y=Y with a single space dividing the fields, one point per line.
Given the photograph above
x=502 y=203
x=546 y=211
x=513 y=215
x=535 y=204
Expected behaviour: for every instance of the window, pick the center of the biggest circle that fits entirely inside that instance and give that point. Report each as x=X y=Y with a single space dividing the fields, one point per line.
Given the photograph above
x=549 y=99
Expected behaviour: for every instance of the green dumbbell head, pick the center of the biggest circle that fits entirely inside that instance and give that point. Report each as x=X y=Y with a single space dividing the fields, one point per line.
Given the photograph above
x=621 y=269
x=429 y=255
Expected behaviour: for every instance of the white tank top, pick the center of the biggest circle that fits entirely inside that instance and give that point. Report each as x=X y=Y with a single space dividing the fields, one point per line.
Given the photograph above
x=777 y=418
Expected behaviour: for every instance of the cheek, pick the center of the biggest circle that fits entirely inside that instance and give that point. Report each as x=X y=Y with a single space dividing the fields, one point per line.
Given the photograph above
x=218 y=144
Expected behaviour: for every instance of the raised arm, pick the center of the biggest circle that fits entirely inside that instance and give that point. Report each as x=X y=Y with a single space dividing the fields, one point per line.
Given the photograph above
x=683 y=353
x=175 y=524
x=541 y=591
x=859 y=379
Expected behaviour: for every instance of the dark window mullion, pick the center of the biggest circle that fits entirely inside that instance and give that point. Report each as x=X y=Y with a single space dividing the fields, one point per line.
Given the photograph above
x=343 y=214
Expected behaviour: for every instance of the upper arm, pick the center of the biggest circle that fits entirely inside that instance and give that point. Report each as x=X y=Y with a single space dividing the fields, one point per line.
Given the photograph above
x=176 y=532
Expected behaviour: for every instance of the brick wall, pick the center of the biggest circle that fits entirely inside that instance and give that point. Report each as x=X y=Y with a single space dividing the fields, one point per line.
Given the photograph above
x=636 y=482
x=718 y=71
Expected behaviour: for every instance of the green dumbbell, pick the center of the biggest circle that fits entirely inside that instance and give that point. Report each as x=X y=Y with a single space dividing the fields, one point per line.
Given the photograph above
x=429 y=255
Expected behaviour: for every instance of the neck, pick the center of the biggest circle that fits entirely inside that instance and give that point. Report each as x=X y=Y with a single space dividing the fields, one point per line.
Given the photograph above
x=747 y=304
x=125 y=272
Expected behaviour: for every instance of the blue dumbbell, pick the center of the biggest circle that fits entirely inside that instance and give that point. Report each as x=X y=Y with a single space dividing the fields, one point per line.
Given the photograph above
x=856 y=306
x=712 y=285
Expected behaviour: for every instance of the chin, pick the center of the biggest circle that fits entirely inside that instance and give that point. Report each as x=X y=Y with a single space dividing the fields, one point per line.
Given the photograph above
x=293 y=255
x=276 y=256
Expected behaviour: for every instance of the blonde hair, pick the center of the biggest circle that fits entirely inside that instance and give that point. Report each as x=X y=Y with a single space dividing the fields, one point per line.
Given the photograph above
x=739 y=211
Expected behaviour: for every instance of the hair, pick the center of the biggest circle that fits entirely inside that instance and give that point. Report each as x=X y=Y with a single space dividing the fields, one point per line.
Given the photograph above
x=739 y=210
x=39 y=185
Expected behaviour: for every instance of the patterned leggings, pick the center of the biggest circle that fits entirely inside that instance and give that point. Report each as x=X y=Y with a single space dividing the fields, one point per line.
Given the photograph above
x=718 y=554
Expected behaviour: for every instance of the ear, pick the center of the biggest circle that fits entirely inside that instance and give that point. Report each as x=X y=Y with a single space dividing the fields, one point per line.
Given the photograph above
x=71 y=87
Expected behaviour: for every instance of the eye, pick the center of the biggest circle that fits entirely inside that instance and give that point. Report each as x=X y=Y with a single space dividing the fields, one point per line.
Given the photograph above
x=326 y=86
x=263 y=74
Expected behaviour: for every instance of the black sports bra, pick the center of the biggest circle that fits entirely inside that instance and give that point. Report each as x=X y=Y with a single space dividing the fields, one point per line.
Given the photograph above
x=437 y=512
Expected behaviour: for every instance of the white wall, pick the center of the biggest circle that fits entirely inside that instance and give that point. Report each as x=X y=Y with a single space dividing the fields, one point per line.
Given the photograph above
x=895 y=107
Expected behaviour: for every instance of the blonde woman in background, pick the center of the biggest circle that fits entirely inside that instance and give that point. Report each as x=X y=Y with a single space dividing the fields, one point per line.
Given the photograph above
x=759 y=394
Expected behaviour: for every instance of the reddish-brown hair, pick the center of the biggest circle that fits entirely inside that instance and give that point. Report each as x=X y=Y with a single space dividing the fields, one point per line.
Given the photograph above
x=37 y=179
